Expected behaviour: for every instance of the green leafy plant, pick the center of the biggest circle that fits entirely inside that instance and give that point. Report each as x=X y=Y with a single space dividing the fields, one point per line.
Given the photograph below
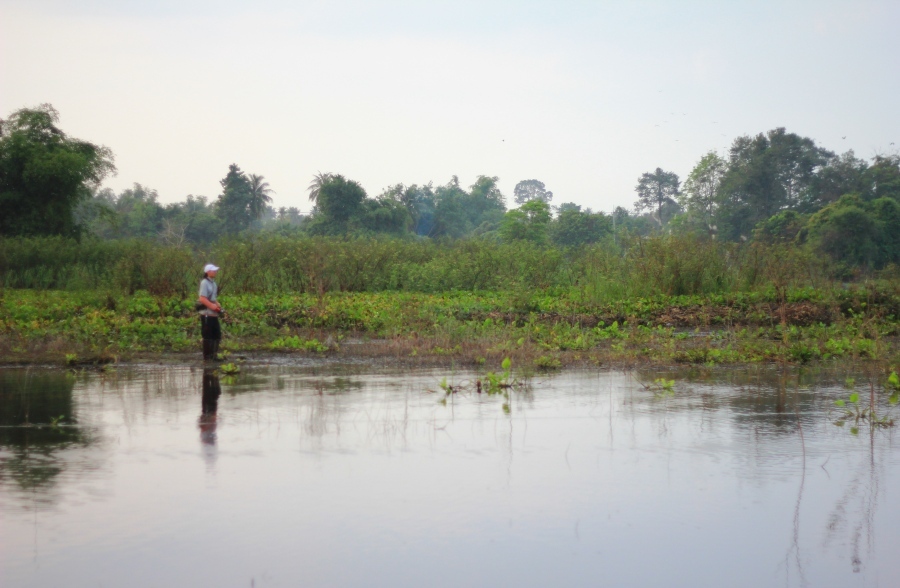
x=855 y=411
x=499 y=382
x=545 y=362
x=893 y=386
x=229 y=369
x=663 y=388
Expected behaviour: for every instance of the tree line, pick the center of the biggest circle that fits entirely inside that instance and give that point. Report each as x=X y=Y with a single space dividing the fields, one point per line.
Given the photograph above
x=776 y=187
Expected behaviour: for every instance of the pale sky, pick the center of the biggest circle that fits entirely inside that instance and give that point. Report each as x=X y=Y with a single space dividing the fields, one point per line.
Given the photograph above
x=584 y=96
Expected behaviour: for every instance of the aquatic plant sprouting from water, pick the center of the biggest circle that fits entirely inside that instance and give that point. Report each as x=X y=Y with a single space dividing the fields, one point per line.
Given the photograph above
x=663 y=388
x=229 y=369
x=893 y=386
x=498 y=383
x=493 y=383
x=855 y=411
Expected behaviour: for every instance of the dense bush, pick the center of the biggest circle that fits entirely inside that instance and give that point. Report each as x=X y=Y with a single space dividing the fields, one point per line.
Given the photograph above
x=666 y=264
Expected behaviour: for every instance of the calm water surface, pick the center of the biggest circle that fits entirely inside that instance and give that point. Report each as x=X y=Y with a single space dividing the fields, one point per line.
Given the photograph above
x=291 y=475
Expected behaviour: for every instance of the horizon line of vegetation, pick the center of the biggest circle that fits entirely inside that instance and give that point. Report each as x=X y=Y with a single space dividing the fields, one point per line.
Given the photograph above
x=775 y=188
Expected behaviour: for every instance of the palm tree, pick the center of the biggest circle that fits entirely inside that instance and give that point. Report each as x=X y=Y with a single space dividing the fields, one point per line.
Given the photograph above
x=318 y=181
x=259 y=195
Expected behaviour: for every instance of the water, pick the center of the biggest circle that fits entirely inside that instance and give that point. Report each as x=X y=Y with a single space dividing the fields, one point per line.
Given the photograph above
x=357 y=476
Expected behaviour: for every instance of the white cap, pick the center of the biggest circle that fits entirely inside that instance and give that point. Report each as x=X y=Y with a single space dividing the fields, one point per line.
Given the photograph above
x=210 y=268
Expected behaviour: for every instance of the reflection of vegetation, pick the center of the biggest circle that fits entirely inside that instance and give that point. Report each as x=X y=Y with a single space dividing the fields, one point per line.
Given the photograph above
x=36 y=421
x=854 y=511
x=338 y=385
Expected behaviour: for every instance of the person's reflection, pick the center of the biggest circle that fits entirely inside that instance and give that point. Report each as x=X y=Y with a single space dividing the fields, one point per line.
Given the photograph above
x=209 y=406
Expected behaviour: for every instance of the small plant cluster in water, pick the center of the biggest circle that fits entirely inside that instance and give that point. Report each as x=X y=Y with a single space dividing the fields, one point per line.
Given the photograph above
x=663 y=388
x=493 y=383
x=856 y=411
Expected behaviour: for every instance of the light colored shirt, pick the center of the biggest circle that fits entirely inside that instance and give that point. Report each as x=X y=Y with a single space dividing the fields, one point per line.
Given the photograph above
x=209 y=290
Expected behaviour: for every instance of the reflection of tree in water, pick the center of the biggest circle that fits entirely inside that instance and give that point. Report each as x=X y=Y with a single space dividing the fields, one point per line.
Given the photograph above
x=37 y=422
x=783 y=405
x=854 y=512
x=770 y=401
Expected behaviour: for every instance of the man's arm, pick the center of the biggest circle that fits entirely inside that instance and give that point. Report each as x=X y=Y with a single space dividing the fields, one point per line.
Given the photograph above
x=213 y=306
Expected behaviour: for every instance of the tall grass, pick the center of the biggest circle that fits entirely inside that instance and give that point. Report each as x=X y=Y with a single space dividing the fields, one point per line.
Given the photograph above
x=637 y=267
x=684 y=265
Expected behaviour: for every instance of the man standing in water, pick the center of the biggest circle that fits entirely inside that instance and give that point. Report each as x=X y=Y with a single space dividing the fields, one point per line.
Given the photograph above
x=210 y=309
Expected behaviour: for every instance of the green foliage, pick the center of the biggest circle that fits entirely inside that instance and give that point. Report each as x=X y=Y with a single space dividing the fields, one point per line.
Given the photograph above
x=485 y=326
x=267 y=262
x=663 y=388
x=546 y=362
x=766 y=174
x=854 y=232
x=385 y=215
x=528 y=190
x=458 y=213
x=45 y=175
x=296 y=343
x=259 y=196
x=234 y=204
x=700 y=197
x=229 y=369
x=656 y=190
x=529 y=222
x=339 y=201
x=497 y=383
x=780 y=228
x=574 y=227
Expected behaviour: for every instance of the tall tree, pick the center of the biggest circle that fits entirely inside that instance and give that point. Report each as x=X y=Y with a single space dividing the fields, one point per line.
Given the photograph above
x=452 y=217
x=883 y=176
x=486 y=204
x=767 y=173
x=233 y=206
x=844 y=174
x=574 y=227
x=655 y=190
x=529 y=222
x=259 y=196
x=528 y=190
x=700 y=196
x=315 y=186
x=339 y=201
x=44 y=174
x=419 y=202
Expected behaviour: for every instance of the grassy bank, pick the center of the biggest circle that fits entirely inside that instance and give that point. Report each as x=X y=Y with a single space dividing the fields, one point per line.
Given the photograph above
x=544 y=328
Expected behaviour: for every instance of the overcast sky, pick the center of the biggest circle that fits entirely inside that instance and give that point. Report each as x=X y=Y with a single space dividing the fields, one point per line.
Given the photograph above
x=584 y=96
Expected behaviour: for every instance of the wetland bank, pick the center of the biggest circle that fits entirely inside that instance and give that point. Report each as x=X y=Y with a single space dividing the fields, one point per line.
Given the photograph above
x=657 y=300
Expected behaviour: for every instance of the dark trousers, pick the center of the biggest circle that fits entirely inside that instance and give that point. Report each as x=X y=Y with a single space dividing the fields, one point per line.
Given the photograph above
x=211 y=332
